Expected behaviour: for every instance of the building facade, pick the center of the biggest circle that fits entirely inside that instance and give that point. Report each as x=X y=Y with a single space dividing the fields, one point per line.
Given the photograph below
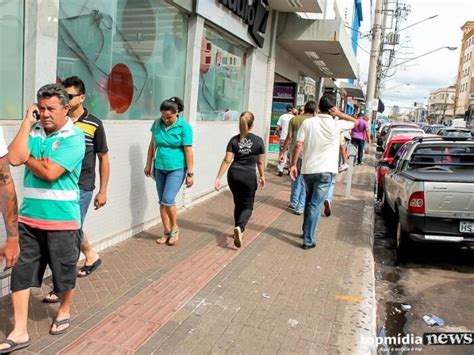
x=222 y=57
x=465 y=80
x=441 y=105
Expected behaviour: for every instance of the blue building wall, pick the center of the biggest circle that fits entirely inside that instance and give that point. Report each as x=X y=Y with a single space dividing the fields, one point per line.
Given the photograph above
x=356 y=21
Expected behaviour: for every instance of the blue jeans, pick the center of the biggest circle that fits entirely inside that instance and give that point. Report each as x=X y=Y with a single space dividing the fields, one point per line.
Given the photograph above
x=85 y=198
x=298 y=191
x=331 y=189
x=168 y=184
x=317 y=187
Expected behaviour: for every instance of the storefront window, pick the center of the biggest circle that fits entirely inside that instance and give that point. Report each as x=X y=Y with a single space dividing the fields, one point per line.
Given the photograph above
x=11 y=59
x=131 y=54
x=221 y=79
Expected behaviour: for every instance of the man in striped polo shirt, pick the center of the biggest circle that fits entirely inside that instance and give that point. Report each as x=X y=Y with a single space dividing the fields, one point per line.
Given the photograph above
x=96 y=147
x=52 y=150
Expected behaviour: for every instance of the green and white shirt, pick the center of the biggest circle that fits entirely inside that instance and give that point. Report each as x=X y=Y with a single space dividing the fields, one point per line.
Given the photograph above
x=54 y=205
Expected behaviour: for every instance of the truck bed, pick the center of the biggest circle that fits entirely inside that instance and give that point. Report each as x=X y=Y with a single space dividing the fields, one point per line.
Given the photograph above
x=454 y=175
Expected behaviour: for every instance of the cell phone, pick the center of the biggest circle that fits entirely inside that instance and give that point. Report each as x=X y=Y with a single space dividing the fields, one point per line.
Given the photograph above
x=36 y=114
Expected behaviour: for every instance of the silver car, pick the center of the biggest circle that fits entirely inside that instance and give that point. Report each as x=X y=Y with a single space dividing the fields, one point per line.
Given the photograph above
x=429 y=190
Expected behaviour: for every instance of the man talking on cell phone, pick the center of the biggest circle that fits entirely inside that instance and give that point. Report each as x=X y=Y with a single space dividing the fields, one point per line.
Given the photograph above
x=52 y=149
x=96 y=147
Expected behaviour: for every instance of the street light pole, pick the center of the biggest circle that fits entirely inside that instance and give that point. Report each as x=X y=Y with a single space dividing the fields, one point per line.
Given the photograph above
x=394 y=87
x=422 y=55
x=416 y=23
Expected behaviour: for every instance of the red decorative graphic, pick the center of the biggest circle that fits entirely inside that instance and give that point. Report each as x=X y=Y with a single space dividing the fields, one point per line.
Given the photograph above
x=120 y=88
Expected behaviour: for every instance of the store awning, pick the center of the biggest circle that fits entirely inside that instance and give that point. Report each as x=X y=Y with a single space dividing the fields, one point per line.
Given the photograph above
x=353 y=91
x=329 y=83
x=321 y=44
x=312 y=6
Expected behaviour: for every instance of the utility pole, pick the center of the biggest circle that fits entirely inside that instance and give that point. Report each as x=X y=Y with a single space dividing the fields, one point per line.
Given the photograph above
x=382 y=48
x=445 y=106
x=374 y=57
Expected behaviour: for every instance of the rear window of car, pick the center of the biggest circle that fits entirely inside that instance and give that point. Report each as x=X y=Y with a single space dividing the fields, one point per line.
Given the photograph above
x=394 y=149
x=457 y=133
x=452 y=155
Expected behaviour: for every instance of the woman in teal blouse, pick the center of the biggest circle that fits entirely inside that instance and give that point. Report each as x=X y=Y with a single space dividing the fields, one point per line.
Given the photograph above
x=170 y=155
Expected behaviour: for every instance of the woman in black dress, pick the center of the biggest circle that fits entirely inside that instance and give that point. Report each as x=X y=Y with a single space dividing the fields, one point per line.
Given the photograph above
x=245 y=153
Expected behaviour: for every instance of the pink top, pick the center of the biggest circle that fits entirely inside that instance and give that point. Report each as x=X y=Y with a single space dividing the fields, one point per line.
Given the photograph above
x=360 y=129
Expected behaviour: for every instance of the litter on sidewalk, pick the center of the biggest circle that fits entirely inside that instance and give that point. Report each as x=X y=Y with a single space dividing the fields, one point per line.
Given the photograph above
x=293 y=323
x=405 y=307
x=433 y=320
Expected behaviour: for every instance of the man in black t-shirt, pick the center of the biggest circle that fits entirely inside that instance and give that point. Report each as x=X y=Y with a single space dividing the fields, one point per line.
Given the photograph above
x=96 y=145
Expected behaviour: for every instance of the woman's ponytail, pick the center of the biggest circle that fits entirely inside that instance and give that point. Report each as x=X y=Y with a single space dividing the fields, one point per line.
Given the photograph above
x=245 y=124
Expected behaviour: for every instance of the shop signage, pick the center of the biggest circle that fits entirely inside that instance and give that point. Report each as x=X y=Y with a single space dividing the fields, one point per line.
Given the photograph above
x=284 y=91
x=255 y=15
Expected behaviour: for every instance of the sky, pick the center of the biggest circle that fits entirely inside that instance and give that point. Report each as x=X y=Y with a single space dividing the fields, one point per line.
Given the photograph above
x=430 y=72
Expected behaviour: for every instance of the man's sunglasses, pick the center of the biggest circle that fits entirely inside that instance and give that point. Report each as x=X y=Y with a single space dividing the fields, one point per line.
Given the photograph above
x=71 y=96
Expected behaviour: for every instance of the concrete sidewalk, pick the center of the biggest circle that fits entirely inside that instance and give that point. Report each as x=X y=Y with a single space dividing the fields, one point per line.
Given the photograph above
x=204 y=295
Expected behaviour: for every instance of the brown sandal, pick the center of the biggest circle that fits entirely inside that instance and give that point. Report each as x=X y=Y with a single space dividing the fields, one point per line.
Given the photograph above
x=163 y=239
x=173 y=237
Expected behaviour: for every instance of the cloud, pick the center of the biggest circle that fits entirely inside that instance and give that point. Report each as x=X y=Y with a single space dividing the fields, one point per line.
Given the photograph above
x=432 y=71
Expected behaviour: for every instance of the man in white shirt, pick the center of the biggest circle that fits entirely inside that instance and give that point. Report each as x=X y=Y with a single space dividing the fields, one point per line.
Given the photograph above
x=10 y=250
x=282 y=131
x=319 y=139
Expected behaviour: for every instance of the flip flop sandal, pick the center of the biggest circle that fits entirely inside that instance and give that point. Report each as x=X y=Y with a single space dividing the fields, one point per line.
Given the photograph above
x=13 y=346
x=89 y=269
x=163 y=239
x=59 y=323
x=49 y=298
x=173 y=237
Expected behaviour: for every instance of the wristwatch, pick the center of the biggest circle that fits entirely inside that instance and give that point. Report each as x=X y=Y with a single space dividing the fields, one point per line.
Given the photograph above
x=190 y=174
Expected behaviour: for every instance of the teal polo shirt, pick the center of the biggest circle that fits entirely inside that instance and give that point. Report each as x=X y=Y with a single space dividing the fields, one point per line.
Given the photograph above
x=170 y=142
x=54 y=205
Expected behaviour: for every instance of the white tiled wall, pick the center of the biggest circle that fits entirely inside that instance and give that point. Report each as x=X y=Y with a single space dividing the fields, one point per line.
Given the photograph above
x=211 y=138
x=132 y=198
x=132 y=204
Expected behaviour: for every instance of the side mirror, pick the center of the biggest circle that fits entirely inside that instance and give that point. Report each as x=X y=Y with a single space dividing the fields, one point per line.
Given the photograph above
x=383 y=163
x=380 y=149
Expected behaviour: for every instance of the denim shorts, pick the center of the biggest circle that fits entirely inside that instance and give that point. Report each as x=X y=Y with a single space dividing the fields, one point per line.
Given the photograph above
x=168 y=184
x=85 y=198
x=39 y=248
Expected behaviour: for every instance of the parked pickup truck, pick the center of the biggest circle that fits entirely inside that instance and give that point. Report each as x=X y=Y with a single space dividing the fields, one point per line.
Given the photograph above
x=429 y=190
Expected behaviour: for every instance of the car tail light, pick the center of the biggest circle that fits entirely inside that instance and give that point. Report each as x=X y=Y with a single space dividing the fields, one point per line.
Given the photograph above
x=416 y=203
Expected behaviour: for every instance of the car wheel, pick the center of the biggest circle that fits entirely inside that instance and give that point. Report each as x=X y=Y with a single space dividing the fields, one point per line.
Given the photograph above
x=403 y=243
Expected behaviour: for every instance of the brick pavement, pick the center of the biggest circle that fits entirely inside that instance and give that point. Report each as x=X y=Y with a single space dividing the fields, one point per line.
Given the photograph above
x=205 y=296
